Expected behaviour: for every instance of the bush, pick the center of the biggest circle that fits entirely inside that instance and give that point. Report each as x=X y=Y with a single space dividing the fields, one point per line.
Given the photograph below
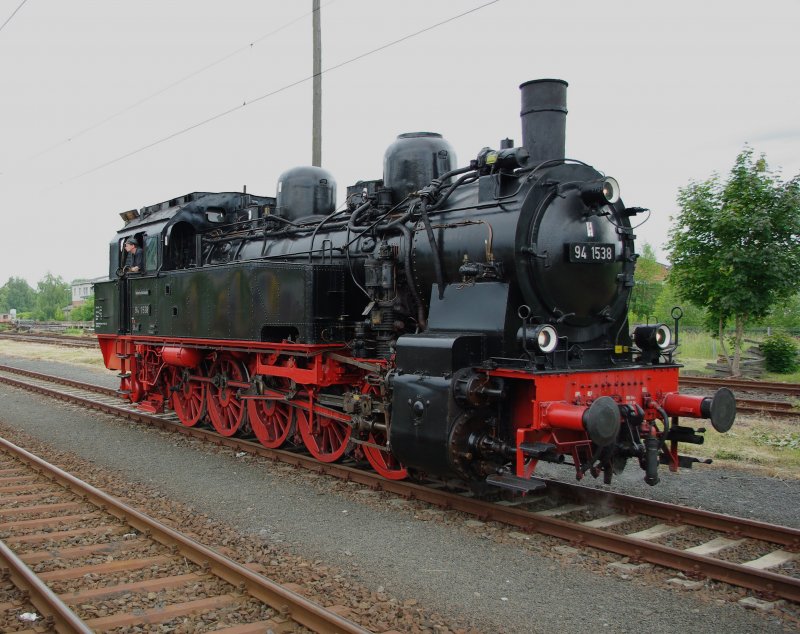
x=780 y=353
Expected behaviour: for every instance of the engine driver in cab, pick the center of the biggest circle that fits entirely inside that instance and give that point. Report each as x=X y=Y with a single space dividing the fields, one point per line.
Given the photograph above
x=134 y=260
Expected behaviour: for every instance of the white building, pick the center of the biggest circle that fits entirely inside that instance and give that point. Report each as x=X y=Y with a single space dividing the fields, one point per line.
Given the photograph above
x=82 y=289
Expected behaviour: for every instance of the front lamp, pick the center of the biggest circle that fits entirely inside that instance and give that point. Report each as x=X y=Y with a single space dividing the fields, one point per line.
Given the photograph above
x=602 y=191
x=655 y=337
x=545 y=338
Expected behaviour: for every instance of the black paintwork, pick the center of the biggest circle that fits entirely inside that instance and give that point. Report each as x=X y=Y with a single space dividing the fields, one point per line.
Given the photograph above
x=253 y=301
x=414 y=160
x=305 y=191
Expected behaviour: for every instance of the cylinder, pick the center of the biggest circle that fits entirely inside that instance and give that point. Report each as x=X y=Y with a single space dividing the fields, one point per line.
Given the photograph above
x=720 y=409
x=181 y=357
x=561 y=415
x=688 y=405
x=601 y=420
x=544 y=119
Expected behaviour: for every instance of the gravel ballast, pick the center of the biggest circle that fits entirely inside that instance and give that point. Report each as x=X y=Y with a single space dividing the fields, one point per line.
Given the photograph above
x=471 y=573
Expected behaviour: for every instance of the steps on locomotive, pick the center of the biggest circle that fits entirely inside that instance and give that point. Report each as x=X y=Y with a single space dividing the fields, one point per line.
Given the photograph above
x=539 y=451
x=513 y=483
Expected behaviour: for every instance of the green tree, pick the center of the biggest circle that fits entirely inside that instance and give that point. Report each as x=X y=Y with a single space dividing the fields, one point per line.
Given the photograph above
x=693 y=316
x=54 y=294
x=786 y=314
x=647 y=284
x=84 y=312
x=736 y=246
x=17 y=293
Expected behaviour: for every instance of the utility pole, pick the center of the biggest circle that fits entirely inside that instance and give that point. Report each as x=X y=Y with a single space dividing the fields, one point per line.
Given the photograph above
x=316 y=140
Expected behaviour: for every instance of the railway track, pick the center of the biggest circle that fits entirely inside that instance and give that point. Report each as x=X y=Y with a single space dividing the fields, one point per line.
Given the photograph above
x=701 y=544
x=744 y=385
x=70 y=341
x=90 y=563
x=778 y=409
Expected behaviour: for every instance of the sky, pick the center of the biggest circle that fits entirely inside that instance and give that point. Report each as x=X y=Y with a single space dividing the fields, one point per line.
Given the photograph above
x=109 y=106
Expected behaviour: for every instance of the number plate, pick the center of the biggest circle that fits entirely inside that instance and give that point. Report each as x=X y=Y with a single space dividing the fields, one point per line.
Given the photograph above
x=590 y=252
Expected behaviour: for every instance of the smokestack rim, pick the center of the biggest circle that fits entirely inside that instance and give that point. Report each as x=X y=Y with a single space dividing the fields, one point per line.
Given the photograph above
x=542 y=106
x=540 y=81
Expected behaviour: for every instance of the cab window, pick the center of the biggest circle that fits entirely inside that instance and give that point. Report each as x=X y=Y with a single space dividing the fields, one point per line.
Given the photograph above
x=150 y=254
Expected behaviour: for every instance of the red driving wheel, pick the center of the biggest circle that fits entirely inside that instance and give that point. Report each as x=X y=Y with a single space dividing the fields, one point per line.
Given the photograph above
x=272 y=420
x=188 y=398
x=326 y=438
x=225 y=409
x=382 y=460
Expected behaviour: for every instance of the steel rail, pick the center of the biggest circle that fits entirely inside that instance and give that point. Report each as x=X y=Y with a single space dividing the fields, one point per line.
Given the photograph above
x=57 y=615
x=630 y=504
x=756 y=403
x=741 y=384
x=69 y=342
x=289 y=603
x=779 y=409
x=89 y=387
x=691 y=563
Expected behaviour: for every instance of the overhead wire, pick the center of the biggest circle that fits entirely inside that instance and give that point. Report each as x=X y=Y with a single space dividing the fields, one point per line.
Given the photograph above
x=8 y=19
x=272 y=93
x=177 y=82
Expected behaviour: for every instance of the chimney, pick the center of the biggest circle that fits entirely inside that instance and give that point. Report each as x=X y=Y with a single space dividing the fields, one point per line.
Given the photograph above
x=544 y=119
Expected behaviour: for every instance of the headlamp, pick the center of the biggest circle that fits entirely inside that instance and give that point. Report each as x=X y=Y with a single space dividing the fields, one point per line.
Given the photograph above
x=655 y=337
x=602 y=191
x=545 y=338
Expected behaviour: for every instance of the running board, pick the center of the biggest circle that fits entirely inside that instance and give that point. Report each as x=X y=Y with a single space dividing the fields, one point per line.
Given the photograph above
x=513 y=483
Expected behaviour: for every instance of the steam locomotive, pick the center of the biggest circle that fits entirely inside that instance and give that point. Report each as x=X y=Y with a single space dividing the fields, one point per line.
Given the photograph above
x=459 y=322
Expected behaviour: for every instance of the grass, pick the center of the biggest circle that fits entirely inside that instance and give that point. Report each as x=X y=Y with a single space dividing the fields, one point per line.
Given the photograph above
x=698 y=345
x=41 y=352
x=74 y=331
x=756 y=443
x=794 y=377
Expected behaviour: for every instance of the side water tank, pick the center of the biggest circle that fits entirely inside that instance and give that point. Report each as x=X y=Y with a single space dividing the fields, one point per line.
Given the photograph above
x=305 y=191
x=414 y=160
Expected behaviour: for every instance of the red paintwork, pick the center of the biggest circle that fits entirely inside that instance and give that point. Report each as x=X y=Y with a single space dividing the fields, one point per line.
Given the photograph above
x=181 y=357
x=187 y=399
x=221 y=344
x=271 y=420
x=225 y=409
x=563 y=415
x=382 y=461
x=548 y=408
x=315 y=369
x=683 y=405
x=150 y=367
x=325 y=438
